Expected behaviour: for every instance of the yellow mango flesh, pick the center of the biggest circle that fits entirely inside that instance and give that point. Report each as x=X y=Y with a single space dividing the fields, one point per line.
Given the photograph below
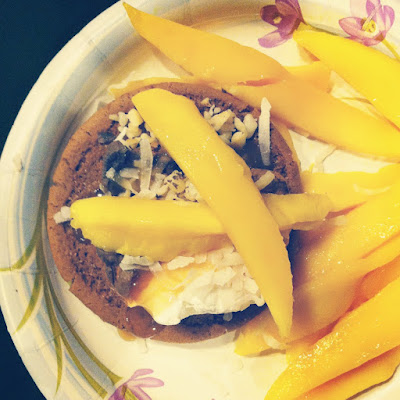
x=371 y=225
x=348 y=189
x=324 y=117
x=363 y=334
x=205 y=55
x=376 y=280
x=160 y=230
x=135 y=85
x=316 y=305
x=326 y=278
x=316 y=73
x=294 y=211
x=224 y=181
x=345 y=386
x=299 y=346
x=371 y=72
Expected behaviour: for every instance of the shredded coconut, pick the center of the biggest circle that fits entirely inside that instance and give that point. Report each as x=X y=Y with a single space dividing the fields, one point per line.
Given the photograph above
x=264 y=180
x=251 y=125
x=238 y=139
x=264 y=135
x=180 y=262
x=64 y=215
x=146 y=162
x=223 y=121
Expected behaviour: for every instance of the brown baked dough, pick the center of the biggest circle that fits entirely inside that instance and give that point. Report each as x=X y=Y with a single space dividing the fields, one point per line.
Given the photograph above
x=78 y=175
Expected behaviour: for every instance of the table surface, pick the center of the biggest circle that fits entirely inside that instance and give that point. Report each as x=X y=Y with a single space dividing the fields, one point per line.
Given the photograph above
x=29 y=38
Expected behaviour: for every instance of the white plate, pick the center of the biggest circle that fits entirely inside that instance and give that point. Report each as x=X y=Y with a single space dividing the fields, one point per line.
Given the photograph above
x=70 y=352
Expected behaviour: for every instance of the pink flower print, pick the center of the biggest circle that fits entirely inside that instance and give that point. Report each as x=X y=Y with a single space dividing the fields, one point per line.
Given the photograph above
x=133 y=388
x=286 y=16
x=370 y=21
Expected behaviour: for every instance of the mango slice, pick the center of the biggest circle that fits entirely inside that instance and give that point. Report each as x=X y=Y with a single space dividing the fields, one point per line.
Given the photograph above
x=348 y=189
x=363 y=334
x=324 y=117
x=205 y=55
x=299 y=346
x=316 y=305
x=376 y=280
x=345 y=386
x=374 y=371
x=326 y=278
x=316 y=73
x=361 y=66
x=160 y=230
x=224 y=181
x=134 y=85
x=372 y=223
x=295 y=211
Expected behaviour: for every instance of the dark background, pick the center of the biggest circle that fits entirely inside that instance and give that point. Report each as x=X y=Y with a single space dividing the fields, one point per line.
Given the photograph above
x=31 y=34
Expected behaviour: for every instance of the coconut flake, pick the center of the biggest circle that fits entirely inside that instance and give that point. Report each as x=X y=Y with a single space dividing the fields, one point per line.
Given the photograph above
x=264 y=132
x=223 y=121
x=129 y=173
x=135 y=119
x=64 y=215
x=122 y=134
x=155 y=267
x=110 y=174
x=146 y=162
x=264 y=180
x=146 y=194
x=132 y=262
x=238 y=139
x=251 y=125
x=180 y=262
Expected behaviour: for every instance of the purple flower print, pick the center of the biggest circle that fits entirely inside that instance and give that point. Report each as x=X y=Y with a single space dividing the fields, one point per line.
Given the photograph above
x=286 y=16
x=134 y=386
x=370 y=21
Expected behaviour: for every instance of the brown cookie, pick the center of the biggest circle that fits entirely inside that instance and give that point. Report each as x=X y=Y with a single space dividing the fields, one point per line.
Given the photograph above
x=79 y=174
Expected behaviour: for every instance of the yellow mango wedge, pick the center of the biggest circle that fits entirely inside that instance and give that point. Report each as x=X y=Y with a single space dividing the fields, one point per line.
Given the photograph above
x=345 y=386
x=135 y=85
x=371 y=72
x=376 y=280
x=362 y=335
x=348 y=189
x=322 y=294
x=160 y=230
x=224 y=181
x=324 y=117
x=372 y=224
x=299 y=346
x=205 y=55
x=295 y=211
x=316 y=73
x=316 y=305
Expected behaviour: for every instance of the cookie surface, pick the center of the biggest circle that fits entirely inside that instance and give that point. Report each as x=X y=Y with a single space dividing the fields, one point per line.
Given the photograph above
x=79 y=174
